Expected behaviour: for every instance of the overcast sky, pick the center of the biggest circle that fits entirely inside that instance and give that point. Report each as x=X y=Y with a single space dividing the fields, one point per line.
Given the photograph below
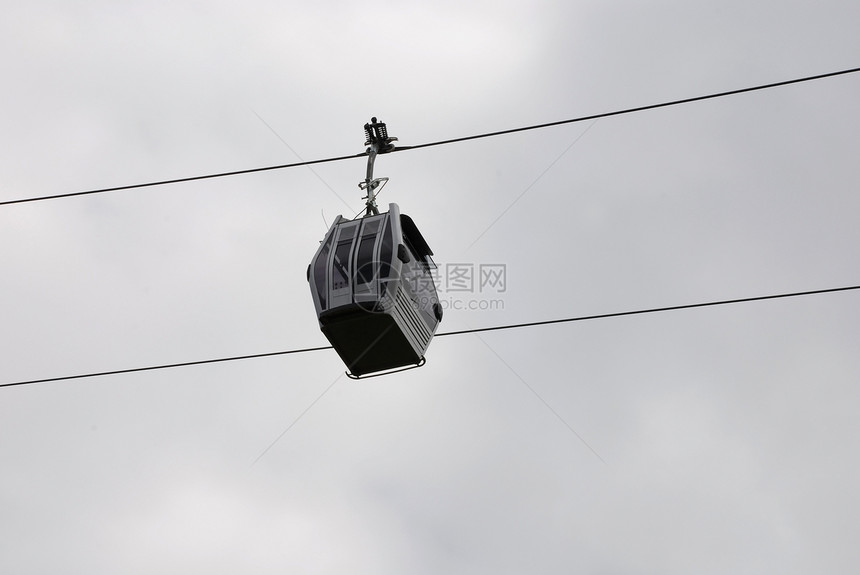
x=717 y=440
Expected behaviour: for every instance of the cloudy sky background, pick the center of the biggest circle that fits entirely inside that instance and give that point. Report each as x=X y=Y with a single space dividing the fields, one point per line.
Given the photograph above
x=719 y=440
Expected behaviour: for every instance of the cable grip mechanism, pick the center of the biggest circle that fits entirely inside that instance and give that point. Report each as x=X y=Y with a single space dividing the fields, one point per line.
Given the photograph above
x=378 y=142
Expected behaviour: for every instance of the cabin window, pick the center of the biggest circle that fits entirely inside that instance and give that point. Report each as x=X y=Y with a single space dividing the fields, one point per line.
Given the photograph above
x=364 y=267
x=385 y=250
x=319 y=272
x=340 y=261
x=364 y=264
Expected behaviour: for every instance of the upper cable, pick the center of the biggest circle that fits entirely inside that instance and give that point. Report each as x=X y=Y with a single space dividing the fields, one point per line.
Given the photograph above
x=369 y=131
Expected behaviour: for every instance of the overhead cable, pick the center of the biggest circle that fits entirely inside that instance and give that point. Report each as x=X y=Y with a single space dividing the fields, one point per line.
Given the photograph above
x=460 y=332
x=443 y=142
x=180 y=180
x=650 y=310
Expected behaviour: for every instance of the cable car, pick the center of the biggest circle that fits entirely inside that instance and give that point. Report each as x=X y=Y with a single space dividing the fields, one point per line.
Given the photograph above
x=372 y=285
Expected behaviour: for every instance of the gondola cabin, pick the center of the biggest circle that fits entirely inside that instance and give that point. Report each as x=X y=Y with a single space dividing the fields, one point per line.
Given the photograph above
x=372 y=285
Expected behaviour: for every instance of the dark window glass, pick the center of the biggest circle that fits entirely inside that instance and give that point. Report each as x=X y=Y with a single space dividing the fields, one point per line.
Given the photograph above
x=364 y=265
x=370 y=227
x=385 y=250
x=340 y=262
x=319 y=272
x=340 y=267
